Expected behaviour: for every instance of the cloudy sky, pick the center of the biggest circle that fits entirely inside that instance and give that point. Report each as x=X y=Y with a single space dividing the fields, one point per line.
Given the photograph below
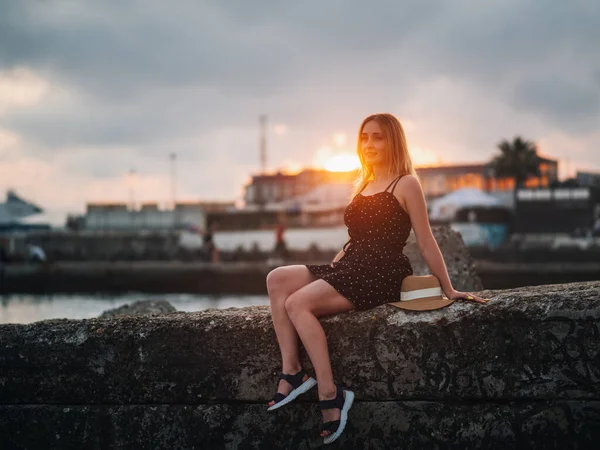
x=92 y=90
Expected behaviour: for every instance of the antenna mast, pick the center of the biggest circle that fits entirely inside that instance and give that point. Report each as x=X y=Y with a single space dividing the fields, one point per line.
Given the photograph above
x=263 y=143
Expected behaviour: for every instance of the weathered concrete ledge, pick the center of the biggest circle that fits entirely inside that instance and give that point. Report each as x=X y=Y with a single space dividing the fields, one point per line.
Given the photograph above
x=521 y=371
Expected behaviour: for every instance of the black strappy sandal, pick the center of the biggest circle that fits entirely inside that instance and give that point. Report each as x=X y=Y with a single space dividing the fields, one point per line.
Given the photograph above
x=343 y=401
x=298 y=386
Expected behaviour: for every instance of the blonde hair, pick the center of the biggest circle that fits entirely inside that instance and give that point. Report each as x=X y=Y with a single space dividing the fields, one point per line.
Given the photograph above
x=398 y=156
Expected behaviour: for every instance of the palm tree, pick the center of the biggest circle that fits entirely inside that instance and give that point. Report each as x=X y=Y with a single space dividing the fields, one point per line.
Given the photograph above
x=518 y=160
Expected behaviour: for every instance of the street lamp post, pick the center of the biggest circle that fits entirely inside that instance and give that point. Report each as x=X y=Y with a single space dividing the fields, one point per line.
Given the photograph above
x=131 y=189
x=173 y=157
x=132 y=197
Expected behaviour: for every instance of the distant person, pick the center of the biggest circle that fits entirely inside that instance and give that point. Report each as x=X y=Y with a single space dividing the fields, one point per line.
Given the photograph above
x=3 y=262
x=366 y=273
x=3 y=252
x=211 y=251
x=280 y=251
x=36 y=254
x=596 y=229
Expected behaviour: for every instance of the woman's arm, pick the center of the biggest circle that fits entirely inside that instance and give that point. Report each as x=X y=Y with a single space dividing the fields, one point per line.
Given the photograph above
x=340 y=254
x=338 y=257
x=411 y=194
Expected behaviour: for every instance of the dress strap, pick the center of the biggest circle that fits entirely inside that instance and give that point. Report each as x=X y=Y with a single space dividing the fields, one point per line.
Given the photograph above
x=346 y=245
x=394 y=182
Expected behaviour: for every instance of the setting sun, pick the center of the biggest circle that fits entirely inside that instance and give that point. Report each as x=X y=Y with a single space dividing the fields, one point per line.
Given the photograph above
x=342 y=163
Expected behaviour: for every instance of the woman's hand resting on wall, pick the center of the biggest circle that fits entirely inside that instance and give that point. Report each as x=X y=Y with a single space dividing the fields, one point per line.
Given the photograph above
x=457 y=295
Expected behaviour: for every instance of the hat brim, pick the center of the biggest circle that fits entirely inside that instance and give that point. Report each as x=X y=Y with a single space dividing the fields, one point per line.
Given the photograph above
x=423 y=304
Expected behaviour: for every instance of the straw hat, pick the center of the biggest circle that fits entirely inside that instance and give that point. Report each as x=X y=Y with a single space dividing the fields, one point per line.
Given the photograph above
x=421 y=293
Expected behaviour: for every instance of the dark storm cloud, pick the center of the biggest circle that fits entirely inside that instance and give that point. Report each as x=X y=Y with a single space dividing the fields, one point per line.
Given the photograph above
x=568 y=105
x=148 y=72
x=248 y=49
x=542 y=55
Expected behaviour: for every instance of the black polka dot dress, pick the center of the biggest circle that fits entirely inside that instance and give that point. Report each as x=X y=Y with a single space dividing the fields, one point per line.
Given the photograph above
x=373 y=266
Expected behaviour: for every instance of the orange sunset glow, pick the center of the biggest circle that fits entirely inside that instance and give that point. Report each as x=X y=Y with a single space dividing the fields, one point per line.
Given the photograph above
x=343 y=162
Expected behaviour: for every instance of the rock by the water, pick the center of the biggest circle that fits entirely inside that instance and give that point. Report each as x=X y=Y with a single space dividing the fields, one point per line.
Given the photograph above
x=140 y=308
x=522 y=371
x=459 y=262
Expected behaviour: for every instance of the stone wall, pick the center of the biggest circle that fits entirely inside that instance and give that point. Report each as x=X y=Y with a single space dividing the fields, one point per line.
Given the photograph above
x=459 y=261
x=522 y=371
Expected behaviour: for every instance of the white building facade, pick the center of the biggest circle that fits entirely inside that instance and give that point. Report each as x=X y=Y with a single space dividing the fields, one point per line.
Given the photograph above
x=119 y=217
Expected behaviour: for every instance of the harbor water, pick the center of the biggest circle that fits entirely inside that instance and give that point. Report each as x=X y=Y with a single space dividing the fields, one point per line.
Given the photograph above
x=19 y=308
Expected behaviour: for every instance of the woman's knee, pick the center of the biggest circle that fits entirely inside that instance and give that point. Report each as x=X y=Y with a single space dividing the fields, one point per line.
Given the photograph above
x=288 y=279
x=295 y=304
x=276 y=279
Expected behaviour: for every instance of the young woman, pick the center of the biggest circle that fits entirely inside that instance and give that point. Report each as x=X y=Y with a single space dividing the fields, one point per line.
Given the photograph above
x=366 y=273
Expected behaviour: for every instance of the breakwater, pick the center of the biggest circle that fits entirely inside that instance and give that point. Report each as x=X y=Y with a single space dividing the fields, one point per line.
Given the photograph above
x=522 y=371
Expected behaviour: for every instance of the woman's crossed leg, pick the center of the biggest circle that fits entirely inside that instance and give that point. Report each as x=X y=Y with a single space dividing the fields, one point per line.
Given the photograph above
x=281 y=283
x=304 y=307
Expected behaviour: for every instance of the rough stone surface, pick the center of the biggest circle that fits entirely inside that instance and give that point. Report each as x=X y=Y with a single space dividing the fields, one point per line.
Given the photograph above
x=522 y=369
x=459 y=262
x=410 y=425
x=140 y=308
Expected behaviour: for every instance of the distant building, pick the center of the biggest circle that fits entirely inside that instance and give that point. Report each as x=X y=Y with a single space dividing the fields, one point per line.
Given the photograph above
x=119 y=217
x=440 y=180
x=14 y=210
x=317 y=196
x=557 y=210
x=267 y=189
x=214 y=207
x=588 y=178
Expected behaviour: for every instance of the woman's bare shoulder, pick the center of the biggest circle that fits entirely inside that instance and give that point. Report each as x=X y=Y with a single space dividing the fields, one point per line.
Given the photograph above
x=408 y=184
x=408 y=187
x=410 y=179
